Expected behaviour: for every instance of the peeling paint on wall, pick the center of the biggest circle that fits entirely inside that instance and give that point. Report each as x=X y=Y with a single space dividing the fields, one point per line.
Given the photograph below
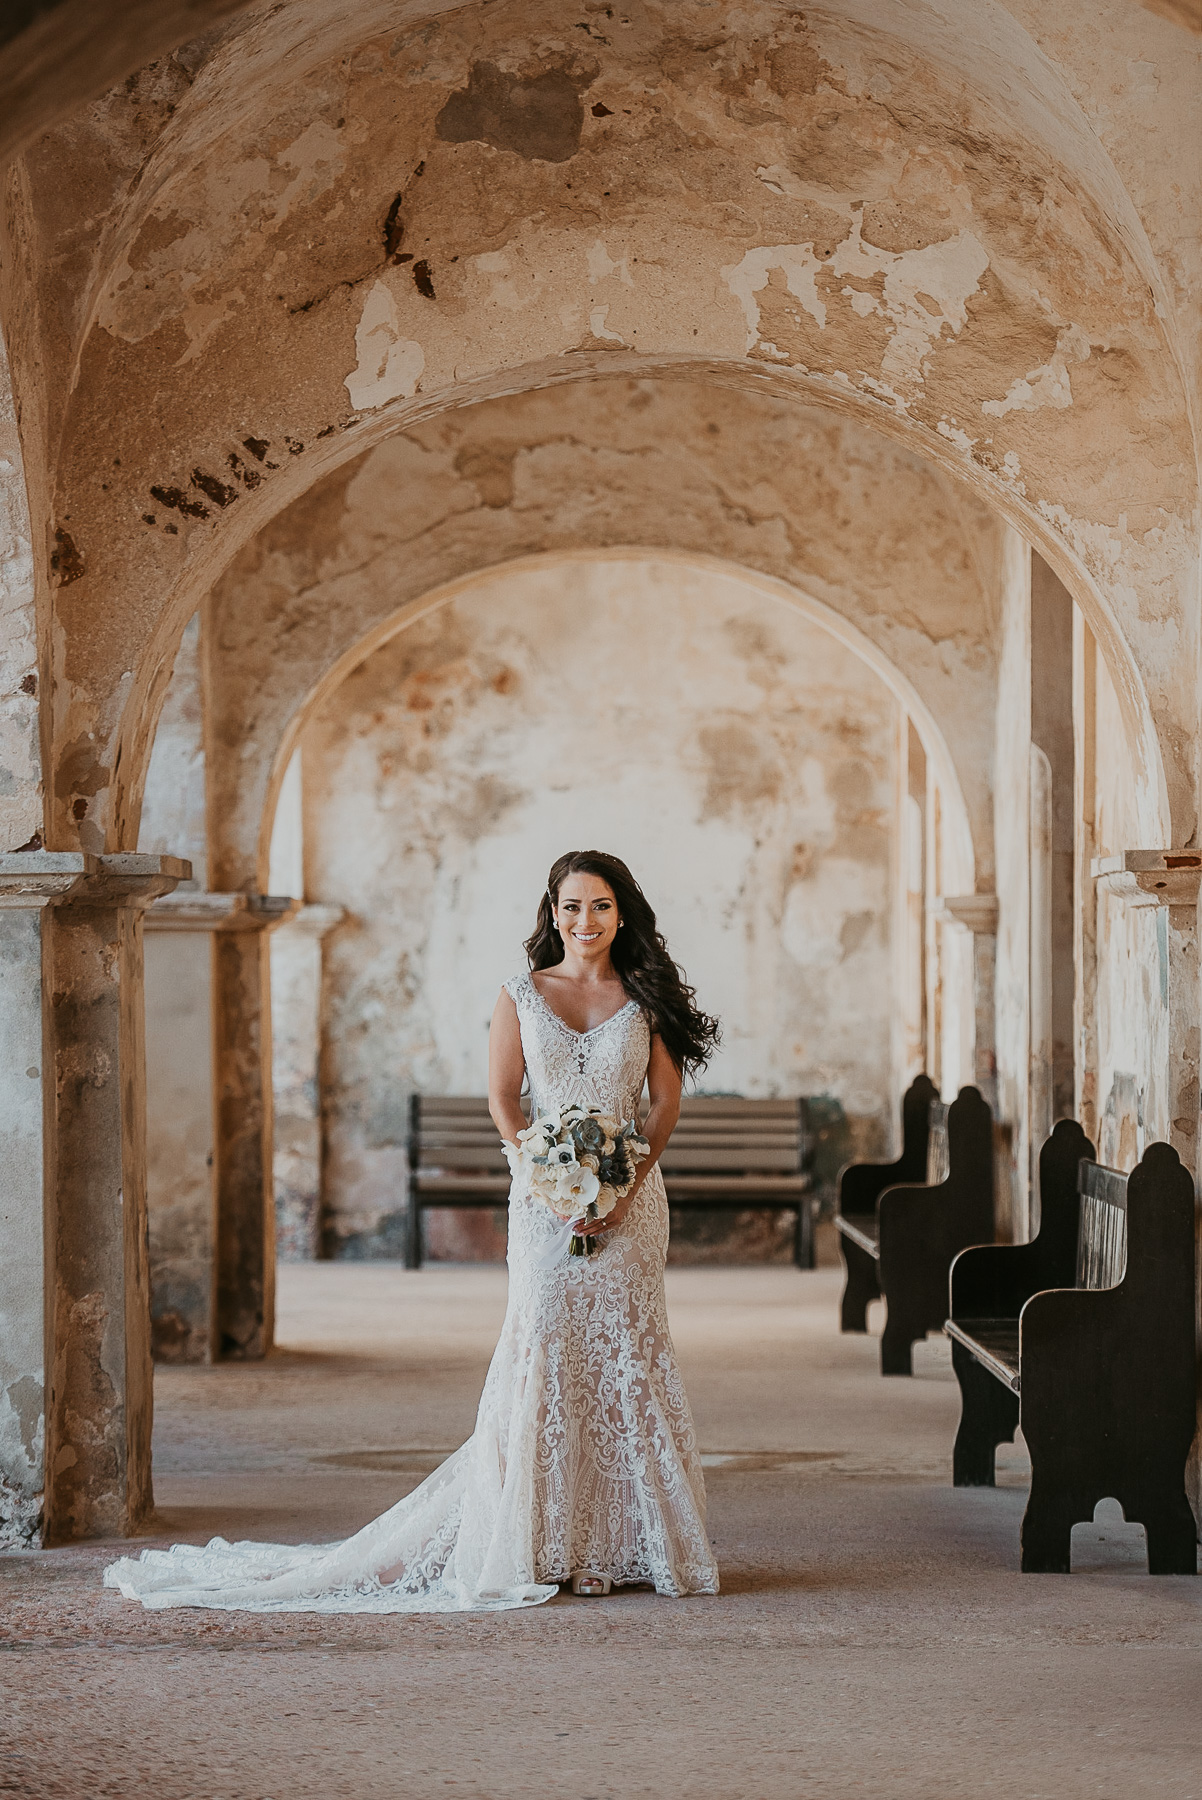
x=739 y=758
x=389 y=364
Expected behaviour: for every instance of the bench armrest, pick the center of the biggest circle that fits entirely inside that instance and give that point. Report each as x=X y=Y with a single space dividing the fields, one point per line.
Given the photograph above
x=862 y=1184
x=993 y=1281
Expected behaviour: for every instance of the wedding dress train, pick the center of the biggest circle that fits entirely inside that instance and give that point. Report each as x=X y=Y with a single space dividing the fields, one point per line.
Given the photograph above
x=584 y=1454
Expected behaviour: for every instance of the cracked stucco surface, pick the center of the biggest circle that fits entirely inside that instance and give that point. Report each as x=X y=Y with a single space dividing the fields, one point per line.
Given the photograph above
x=739 y=758
x=863 y=527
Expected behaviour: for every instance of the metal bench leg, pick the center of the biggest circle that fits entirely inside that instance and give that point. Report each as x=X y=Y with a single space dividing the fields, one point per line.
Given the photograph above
x=803 y=1247
x=413 y=1233
x=861 y=1287
x=988 y=1417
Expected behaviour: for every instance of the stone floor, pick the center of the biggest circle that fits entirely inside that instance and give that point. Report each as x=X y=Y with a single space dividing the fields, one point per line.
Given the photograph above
x=873 y=1636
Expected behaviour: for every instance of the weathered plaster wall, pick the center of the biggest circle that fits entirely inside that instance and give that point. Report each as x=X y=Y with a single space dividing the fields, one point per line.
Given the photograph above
x=296 y=992
x=178 y=972
x=741 y=760
x=22 y=1264
x=20 y=750
x=1012 y=815
x=1133 y=968
x=180 y=1142
x=173 y=811
x=22 y=1145
x=908 y=559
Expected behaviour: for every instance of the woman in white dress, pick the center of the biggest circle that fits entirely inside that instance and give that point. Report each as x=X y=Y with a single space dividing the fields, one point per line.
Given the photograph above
x=583 y=1466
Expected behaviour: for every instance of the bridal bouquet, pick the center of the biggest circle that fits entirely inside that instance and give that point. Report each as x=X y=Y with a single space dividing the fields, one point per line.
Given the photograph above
x=579 y=1162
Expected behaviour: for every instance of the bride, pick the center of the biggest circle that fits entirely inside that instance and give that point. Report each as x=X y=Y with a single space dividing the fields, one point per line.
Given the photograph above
x=583 y=1466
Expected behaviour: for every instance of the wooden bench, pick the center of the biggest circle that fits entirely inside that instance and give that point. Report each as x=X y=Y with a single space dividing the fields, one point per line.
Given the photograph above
x=861 y=1186
x=725 y=1152
x=899 y=1233
x=1085 y=1338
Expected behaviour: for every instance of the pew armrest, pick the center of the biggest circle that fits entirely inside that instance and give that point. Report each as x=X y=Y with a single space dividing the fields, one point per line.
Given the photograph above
x=993 y=1281
x=862 y=1184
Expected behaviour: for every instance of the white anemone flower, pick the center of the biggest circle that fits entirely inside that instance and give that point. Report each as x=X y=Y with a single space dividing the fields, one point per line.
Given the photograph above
x=578 y=1188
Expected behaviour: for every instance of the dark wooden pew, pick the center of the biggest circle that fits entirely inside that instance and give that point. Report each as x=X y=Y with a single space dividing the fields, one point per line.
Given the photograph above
x=899 y=1240
x=1085 y=1338
x=725 y=1152
x=861 y=1186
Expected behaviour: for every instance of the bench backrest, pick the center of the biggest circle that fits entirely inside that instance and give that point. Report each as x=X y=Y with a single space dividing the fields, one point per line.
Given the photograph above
x=715 y=1133
x=453 y=1132
x=1101 y=1226
x=860 y=1183
x=938 y=1156
x=718 y=1133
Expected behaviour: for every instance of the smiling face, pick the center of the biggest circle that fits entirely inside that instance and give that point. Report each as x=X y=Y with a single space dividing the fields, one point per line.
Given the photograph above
x=586 y=915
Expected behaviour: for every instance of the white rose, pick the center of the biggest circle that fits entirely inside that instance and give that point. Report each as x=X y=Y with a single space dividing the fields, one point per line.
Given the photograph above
x=605 y=1201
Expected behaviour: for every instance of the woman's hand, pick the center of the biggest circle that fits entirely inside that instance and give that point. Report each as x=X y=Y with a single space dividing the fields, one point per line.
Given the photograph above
x=663 y=1086
x=612 y=1219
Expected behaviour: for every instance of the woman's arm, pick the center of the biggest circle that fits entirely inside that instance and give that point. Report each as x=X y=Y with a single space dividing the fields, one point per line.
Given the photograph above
x=663 y=1085
x=506 y=1069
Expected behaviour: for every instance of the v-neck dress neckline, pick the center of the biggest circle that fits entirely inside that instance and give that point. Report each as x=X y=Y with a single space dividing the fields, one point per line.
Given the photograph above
x=593 y=1029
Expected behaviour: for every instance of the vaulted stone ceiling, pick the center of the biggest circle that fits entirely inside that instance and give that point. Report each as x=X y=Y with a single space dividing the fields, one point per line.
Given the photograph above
x=969 y=225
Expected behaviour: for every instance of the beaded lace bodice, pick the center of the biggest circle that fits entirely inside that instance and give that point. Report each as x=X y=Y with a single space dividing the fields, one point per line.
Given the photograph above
x=603 y=1067
x=584 y=1454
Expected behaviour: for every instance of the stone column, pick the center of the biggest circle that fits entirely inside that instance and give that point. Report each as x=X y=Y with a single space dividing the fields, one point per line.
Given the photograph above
x=1170 y=879
x=978 y=913
x=23 y=941
x=296 y=965
x=76 y=1331
x=245 y=1305
x=181 y=1123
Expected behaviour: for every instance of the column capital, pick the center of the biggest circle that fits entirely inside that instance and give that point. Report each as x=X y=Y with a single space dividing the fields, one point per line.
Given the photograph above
x=1151 y=877
x=191 y=909
x=37 y=878
x=978 y=913
x=314 y=921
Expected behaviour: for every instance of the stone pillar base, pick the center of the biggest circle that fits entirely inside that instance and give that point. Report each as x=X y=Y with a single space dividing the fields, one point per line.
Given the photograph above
x=77 y=1196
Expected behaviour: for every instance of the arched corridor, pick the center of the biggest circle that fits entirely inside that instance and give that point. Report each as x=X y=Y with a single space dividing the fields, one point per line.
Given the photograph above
x=760 y=441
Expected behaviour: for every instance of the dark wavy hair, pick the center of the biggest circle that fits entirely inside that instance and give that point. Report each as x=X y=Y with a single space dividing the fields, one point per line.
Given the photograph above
x=639 y=955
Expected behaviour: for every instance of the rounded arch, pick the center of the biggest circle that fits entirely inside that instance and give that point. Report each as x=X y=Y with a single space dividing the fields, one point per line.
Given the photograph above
x=958 y=834
x=1154 y=801
x=906 y=213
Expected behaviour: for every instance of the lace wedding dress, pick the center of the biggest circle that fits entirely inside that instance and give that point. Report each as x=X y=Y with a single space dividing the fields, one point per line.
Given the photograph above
x=584 y=1454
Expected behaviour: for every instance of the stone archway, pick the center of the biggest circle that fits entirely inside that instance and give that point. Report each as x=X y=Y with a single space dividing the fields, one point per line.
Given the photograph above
x=962 y=231
x=728 y=741
x=998 y=367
